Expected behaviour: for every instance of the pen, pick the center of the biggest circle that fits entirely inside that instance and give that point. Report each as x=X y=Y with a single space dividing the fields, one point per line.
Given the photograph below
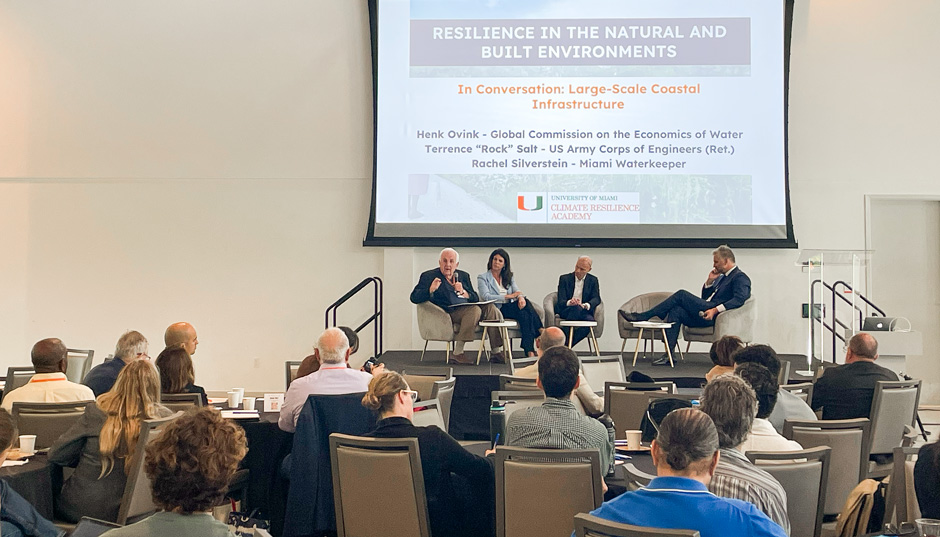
x=496 y=441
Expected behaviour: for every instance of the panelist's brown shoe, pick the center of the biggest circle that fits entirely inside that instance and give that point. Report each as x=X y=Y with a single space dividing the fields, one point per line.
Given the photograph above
x=461 y=359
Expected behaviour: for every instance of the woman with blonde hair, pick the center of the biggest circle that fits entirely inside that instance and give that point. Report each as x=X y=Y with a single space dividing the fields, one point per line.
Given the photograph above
x=441 y=456
x=177 y=374
x=101 y=444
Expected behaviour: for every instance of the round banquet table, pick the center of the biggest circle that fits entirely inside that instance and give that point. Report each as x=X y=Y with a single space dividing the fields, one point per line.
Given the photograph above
x=33 y=481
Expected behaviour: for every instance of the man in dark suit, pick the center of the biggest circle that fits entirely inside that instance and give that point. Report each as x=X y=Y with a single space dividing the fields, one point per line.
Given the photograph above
x=448 y=288
x=726 y=288
x=579 y=294
x=845 y=392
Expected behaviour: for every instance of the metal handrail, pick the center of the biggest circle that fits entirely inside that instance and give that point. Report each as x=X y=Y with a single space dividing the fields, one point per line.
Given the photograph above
x=376 y=317
x=833 y=291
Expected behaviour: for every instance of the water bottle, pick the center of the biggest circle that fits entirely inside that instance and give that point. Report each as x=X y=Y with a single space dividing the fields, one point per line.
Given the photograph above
x=497 y=423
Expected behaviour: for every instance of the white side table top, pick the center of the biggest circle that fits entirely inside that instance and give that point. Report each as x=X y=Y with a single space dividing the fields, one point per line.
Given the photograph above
x=651 y=324
x=578 y=323
x=508 y=323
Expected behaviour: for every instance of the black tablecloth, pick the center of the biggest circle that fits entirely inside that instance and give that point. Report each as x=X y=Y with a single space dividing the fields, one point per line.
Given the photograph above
x=33 y=481
x=267 y=447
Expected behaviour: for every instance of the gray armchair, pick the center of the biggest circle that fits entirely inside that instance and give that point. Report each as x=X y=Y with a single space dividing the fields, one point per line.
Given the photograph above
x=550 y=318
x=434 y=324
x=638 y=304
x=737 y=322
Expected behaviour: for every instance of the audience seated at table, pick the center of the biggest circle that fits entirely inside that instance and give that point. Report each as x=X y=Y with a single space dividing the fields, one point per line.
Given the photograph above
x=177 y=374
x=686 y=454
x=732 y=405
x=132 y=346
x=927 y=480
x=451 y=513
x=102 y=442
x=846 y=392
x=789 y=406
x=720 y=354
x=311 y=364
x=763 y=436
x=49 y=384
x=17 y=517
x=190 y=466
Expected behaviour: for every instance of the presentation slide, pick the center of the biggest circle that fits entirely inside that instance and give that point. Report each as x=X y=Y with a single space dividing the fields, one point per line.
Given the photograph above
x=573 y=120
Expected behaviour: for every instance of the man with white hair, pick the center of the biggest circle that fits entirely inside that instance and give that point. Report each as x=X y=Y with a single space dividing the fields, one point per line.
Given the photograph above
x=333 y=377
x=132 y=346
x=449 y=288
x=579 y=295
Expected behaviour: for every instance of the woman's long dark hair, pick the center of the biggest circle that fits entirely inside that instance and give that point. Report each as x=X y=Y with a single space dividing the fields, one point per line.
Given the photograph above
x=506 y=274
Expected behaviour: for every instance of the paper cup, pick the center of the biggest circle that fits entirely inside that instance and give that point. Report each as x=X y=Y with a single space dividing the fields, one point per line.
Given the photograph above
x=634 y=438
x=233 y=400
x=241 y=395
x=248 y=403
x=27 y=444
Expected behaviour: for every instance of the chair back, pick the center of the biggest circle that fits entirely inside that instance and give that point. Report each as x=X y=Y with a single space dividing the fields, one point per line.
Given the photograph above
x=783 y=376
x=901 y=501
x=635 y=477
x=428 y=413
x=803 y=390
x=290 y=370
x=79 y=364
x=539 y=491
x=626 y=402
x=48 y=421
x=599 y=370
x=513 y=383
x=181 y=402
x=893 y=406
x=638 y=304
x=515 y=400
x=848 y=440
x=548 y=308
x=804 y=482
x=519 y=363
x=137 y=501
x=365 y=469
x=17 y=376
x=587 y=525
x=443 y=391
x=422 y=379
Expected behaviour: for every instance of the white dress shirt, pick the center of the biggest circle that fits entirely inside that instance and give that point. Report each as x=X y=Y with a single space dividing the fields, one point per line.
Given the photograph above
x=578 y=290
x=333 y=379
x=48 y=388
x=764 y=437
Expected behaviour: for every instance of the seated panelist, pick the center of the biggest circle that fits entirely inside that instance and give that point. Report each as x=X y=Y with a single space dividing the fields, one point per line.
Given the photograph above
x=579 y=295
x=498 y=284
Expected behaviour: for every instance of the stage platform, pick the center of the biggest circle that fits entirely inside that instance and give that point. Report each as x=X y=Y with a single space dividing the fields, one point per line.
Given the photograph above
x=469 y=418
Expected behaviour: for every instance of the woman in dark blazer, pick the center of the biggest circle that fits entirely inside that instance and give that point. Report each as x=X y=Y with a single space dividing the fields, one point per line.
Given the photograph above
x=498 y=284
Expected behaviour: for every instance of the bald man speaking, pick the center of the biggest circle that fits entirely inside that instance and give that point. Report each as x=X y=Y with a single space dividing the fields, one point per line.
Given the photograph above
x=579 y=294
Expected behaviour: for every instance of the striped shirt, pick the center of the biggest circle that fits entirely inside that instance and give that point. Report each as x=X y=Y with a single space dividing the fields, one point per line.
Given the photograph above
x=736 y=477
x=557 y=424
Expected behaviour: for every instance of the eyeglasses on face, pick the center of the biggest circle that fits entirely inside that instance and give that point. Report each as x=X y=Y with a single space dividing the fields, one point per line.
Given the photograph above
x=413 y=394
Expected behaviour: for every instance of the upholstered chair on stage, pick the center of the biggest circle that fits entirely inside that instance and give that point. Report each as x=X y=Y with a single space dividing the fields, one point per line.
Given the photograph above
x=738 y=322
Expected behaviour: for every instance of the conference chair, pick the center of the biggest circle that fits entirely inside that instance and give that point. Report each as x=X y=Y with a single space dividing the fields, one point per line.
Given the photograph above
x=551 y=318
x=519 y=363
x=626 y=402
x=783 y=376
x=434 y=324
x=422 y=379
x=290 y=370
x=79 y=364
x=638 y=304
x=893 y=413
x=901 y=500
x=739 y=322
x=804 y=482
x=427 y=413
x=600 y=370
x=635 y=477
x=137 y=501
x=443 y=391
x=17 y=376
x=803 y=390
x=848 y=462
x=539 y=491
x=378 y=487
x=48 y=421
x=181 y=402
x=510 y=382
x=588 y=525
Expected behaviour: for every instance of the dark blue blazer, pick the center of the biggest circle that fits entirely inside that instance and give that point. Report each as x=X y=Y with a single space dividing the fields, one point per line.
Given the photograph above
x=591 y=293
x=444 y=295
x=732 y=290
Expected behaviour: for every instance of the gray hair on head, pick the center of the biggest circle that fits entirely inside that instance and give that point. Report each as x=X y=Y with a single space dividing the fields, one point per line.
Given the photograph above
x=686 y=436
x=332 y=346
x=724 y=252
x=130 y=345
x=732 y=405
x=456 y=254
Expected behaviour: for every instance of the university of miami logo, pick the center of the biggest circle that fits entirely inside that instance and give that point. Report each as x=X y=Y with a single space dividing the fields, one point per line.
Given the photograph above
x=522 y=204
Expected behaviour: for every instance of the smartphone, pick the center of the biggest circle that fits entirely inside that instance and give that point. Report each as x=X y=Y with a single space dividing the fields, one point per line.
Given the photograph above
x=370 y=363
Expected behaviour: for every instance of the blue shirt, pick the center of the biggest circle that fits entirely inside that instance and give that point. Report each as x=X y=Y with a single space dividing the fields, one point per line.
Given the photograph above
x=683 y=503
x=103 y=376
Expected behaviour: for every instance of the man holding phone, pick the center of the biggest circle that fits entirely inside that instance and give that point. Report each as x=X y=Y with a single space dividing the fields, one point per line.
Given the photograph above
x=725 y=288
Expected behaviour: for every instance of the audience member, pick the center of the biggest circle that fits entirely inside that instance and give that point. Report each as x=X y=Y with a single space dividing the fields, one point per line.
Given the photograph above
x=555 y=337
x=845 y=392
x=686 y=454
x=927 y=480
x=101 y=444
x=332 y=378
x=190 y=466
x=789 y=406
x=177 y=374
x=49 y=384
x=720 y=353
x=449 y=512
x=311 y=363
x=182 y=334
x=763 y=436
x=579 y=295
x=732 y=406
x=132 y=346
x=17 y=517
x=556 y=423
x=448 y=288
x=499 y=285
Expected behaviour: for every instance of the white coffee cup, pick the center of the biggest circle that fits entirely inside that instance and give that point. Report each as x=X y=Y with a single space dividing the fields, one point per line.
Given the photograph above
x=233 y=400
x=27 y=444
x=248 y=403
x=241 y=395
x=634 y=437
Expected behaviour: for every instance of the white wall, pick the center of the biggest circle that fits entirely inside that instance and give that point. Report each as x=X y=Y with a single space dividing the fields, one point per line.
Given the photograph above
x=210 y=161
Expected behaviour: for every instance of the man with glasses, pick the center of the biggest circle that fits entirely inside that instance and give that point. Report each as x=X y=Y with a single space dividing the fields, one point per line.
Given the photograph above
x=333 y=377
x=132 y=346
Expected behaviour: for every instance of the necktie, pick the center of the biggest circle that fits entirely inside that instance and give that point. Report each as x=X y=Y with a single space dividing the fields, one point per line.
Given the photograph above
x=715 y=286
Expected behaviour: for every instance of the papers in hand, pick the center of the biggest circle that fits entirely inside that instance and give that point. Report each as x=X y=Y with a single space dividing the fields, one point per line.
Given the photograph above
x=472 y=303
x=7 y=464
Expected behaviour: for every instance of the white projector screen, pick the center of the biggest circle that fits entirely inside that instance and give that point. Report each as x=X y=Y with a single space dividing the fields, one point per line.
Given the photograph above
x=565 y=122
